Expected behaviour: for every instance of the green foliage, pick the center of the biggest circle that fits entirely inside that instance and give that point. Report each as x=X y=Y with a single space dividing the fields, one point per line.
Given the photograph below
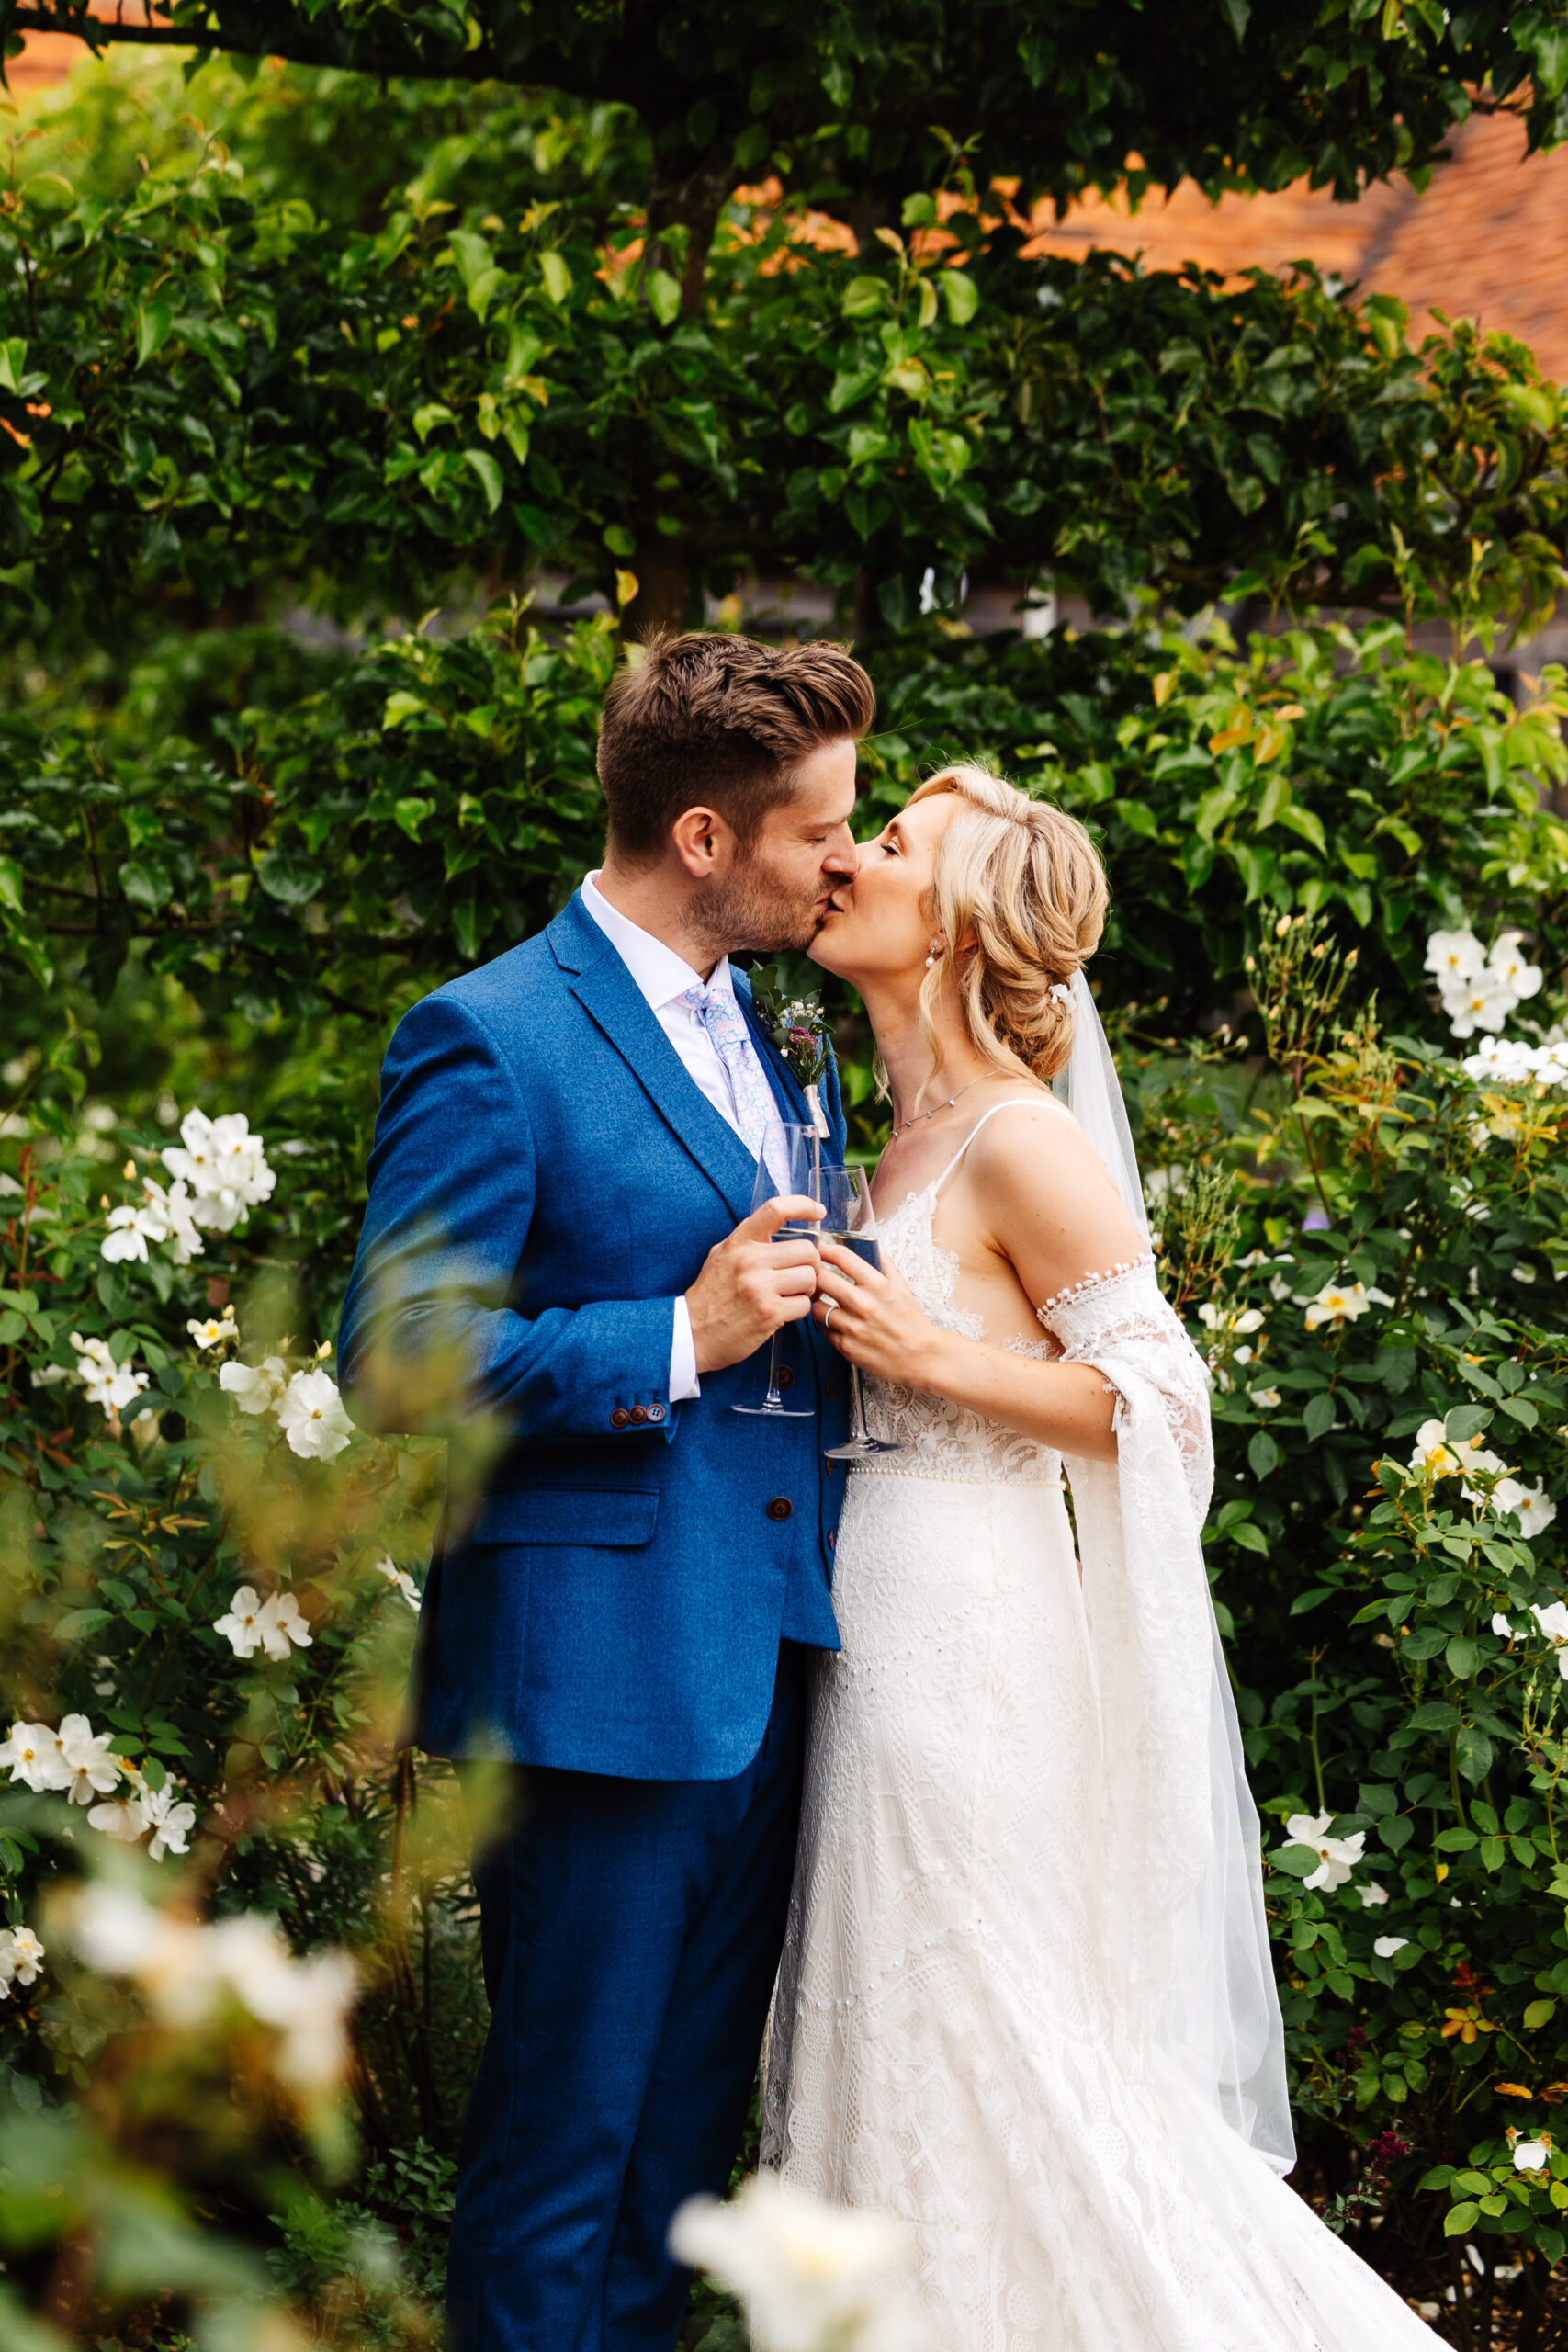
x=1217 y=90
x=205 y=382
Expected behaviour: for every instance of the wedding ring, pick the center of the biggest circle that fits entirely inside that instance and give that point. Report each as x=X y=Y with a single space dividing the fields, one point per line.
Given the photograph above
x=828 y=1311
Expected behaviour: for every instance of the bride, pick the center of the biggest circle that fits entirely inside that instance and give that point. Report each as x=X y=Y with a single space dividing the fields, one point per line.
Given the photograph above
x=1026 y=2002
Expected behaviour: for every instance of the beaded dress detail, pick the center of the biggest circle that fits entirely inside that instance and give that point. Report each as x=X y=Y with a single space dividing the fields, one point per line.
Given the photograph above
x=1006 y=1807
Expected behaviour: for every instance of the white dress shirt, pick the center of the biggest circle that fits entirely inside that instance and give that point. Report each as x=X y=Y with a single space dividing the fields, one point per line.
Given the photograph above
x=664 y=977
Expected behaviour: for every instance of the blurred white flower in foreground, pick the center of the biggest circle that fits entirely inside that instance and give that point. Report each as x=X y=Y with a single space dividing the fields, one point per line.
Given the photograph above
x=312 y=1416
x=1371 y=1895
x=1336 y=1856
x=1531 y=2155
x=401 y=1577
x=809 y=2275
x=250 y=1624
x=21 y=1956
x=255 y=1387
x=1386 y=1946
x=186 y=1968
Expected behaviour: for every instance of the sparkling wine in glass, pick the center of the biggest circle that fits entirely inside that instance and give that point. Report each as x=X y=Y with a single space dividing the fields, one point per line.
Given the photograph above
x=801 y=1149
x=851 y=1221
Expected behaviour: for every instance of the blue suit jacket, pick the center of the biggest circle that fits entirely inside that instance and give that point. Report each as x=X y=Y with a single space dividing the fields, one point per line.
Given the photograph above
x=546 y=1180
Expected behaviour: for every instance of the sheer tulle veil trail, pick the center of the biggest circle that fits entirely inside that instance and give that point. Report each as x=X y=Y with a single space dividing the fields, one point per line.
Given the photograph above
x=1221 y=2022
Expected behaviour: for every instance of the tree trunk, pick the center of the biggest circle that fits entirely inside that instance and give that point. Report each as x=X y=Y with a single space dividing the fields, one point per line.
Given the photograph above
x=664 y=593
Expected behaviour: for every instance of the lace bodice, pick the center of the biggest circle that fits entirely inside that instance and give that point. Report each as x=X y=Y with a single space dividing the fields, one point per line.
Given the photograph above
x=942 y=1440
x=1117 y=1315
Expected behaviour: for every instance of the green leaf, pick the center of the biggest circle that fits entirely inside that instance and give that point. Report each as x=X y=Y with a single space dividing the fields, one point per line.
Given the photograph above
x=292 y=880
x=1466 y=1421
x=1461 y=1658
x=401 y=706
x=153 y=325
x=77 y=1623
x=488 y=472
x=1473 y=1753
x=1318 y=1417
x=1237 y=13
x=663 y=297
x=1262 y=1454
x=1539 y=2013
x=410 y=813
x=961 y=295
x=1459 y=2218
x=1548 y=44
x=863 y=295
x=1436 y=1715
x=146 y=883
x=1296 y=1861
x=556 y=275
x=11 y=884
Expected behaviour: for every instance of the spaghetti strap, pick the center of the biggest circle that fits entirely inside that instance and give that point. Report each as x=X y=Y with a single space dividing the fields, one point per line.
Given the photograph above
x=1013 y=1102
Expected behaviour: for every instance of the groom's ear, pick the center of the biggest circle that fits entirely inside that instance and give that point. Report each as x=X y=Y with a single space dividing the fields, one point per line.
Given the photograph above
x=704 y=842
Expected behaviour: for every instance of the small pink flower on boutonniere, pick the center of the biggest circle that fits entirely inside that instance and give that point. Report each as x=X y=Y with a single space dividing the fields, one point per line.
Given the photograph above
x=798 y=1027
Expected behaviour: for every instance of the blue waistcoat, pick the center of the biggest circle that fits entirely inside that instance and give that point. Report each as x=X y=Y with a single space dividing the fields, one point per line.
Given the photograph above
x=547 y=1179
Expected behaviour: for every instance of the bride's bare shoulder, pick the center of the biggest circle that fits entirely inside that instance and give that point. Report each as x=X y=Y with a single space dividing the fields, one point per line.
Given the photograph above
x=1046 y=1191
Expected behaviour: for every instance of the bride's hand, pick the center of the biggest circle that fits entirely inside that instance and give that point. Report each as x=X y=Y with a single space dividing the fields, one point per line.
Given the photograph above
x=874 y=1320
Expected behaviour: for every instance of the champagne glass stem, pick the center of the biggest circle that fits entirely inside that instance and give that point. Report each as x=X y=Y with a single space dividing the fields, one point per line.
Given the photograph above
x=775 y=1400
x=862 y=1435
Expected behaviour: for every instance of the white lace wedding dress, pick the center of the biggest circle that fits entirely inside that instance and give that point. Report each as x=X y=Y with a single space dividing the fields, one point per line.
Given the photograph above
x=1006 y=1807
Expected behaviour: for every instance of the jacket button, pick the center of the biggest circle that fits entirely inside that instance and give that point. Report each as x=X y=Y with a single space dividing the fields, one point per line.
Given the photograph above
x=619 y=1417
x=828 y=1466
x=638 y=1413
x=779 y=1508
x=832 y=1390
x=832 y=1539
x=786 y=1375
x=656 y=1412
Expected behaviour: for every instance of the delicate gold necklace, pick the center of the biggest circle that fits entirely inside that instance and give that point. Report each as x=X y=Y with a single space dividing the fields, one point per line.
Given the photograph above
x=915 y=1120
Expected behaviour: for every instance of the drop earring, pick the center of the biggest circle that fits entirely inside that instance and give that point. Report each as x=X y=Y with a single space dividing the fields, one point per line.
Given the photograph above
x=935 y=952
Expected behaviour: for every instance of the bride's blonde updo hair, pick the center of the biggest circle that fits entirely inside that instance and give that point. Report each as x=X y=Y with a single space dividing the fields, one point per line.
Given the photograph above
x=1024 y=881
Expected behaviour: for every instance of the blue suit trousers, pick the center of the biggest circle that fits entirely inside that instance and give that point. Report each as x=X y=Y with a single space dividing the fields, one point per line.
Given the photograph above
x=631 y=1929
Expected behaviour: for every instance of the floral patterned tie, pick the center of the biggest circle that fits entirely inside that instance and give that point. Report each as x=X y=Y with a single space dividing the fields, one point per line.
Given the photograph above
x=756 y=1112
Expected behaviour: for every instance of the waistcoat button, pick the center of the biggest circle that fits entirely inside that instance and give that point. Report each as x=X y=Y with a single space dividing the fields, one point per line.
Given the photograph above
x=779 y=1508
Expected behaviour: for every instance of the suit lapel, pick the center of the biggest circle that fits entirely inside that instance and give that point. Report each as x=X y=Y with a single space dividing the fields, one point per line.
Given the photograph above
x=613 y=1000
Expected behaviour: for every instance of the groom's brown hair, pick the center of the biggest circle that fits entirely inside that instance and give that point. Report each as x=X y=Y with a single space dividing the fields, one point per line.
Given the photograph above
x=720 y=722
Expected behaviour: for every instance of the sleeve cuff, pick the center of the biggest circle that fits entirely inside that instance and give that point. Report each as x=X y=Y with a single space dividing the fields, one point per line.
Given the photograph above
x=683 y=1357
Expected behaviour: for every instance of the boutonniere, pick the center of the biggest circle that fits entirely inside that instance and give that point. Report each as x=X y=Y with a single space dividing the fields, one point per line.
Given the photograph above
x=798 y=1027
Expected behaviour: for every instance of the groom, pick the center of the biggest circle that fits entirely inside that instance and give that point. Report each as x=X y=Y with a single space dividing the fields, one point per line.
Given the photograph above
x=560 y=1232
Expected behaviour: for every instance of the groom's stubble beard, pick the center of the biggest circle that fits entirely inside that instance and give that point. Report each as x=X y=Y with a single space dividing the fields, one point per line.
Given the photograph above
x=754 y=909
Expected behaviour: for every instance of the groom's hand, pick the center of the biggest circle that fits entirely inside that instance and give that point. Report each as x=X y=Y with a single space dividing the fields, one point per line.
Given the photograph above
x=751 y=1284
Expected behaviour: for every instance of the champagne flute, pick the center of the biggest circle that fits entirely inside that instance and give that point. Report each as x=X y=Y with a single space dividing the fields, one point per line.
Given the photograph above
x=801 y=1149
x=851 y=1221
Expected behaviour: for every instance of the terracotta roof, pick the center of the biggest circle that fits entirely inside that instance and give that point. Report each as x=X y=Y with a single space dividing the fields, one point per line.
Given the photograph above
x=1488 y=240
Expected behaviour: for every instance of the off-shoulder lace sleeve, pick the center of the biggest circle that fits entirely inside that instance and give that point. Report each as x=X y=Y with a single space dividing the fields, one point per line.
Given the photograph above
x=1120 y=1322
